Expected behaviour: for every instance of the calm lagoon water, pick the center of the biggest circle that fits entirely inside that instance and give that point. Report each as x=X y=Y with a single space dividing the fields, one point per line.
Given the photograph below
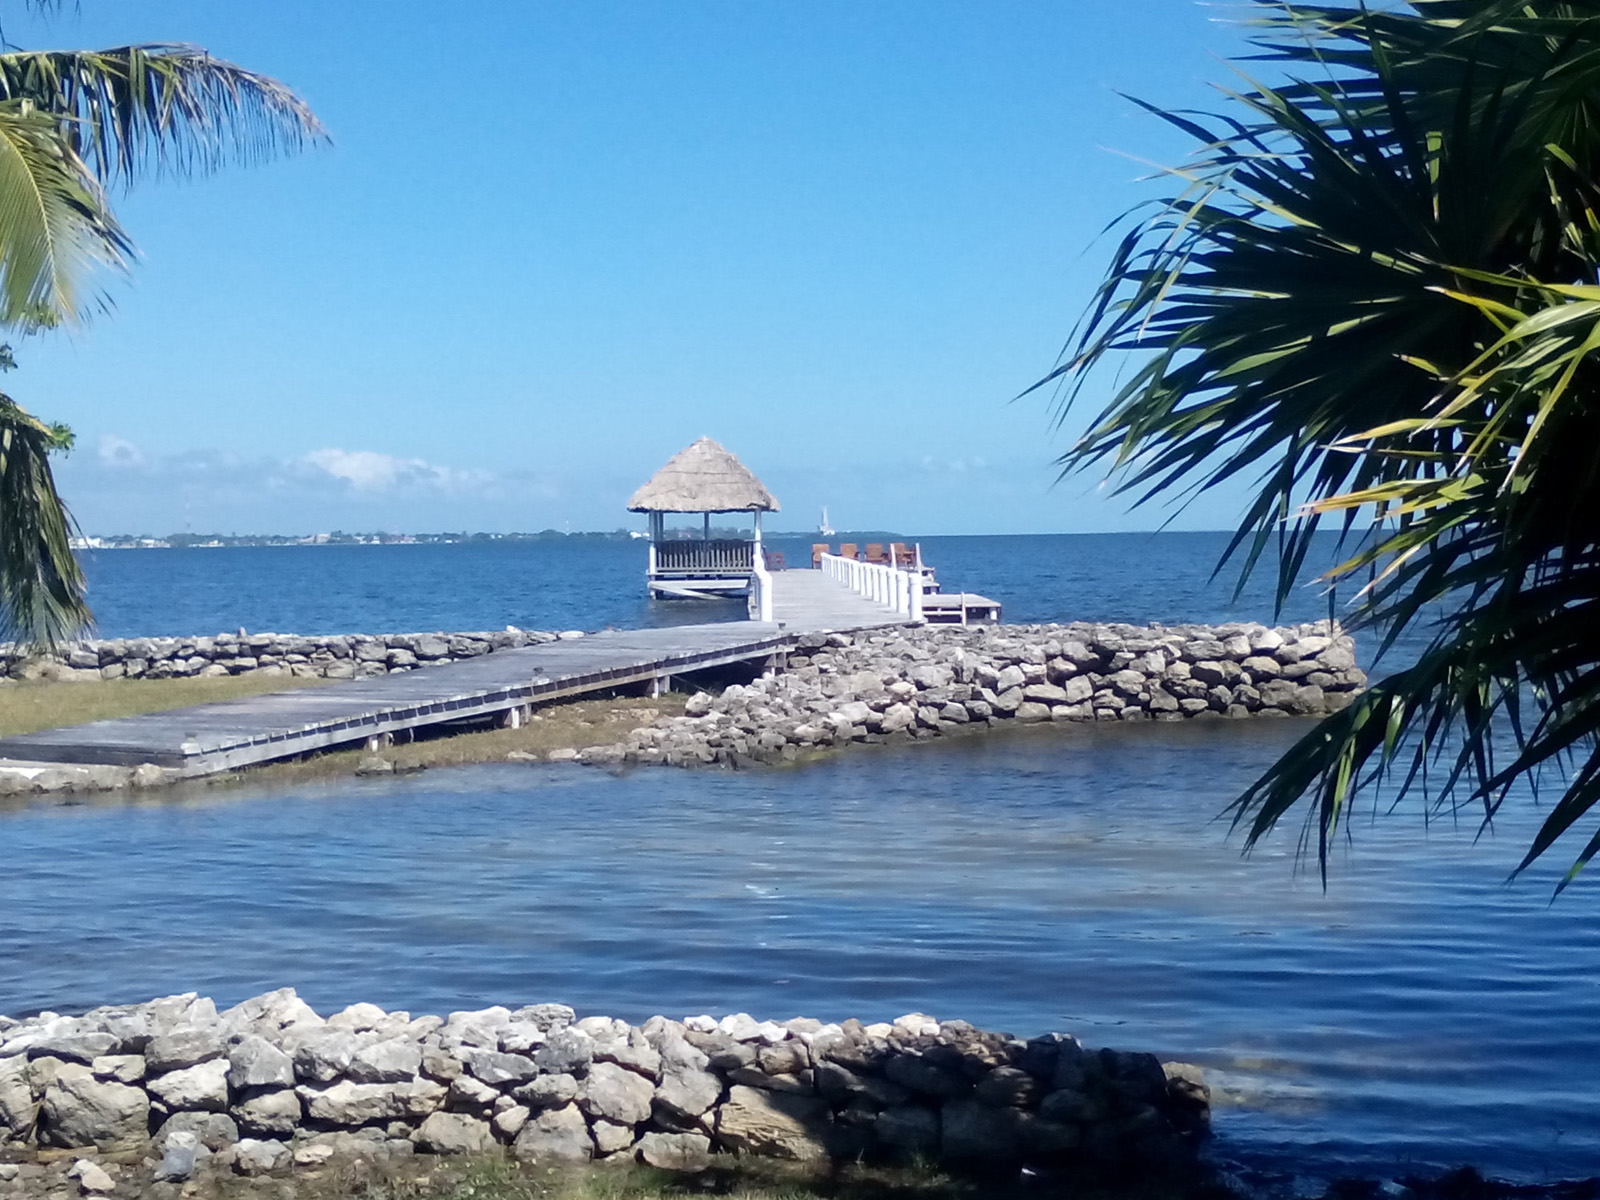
x=582 y=584
x=1420 y=1012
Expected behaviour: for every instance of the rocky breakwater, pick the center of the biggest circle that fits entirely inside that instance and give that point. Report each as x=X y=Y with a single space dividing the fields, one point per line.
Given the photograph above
x=339 y=656
x=901 y=684
x=172 y=1086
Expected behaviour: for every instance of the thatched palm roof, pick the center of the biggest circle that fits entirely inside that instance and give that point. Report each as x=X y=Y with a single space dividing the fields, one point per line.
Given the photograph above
x=703 y=478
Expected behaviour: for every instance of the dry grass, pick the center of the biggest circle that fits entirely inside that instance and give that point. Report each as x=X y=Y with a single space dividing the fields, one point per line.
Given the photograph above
x=29 y=707
x=566 y=725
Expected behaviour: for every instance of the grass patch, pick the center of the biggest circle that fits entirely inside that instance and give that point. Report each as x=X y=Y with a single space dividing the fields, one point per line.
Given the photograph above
x=565 y=725
x=32 y=706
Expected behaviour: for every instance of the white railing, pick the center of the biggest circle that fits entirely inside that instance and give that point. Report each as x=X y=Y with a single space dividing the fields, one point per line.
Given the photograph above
x=691 y=555
x=760 y=589
x=893 y=587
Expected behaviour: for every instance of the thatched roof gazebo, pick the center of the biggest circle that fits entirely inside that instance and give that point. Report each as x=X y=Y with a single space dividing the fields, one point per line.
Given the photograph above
x=702 y=478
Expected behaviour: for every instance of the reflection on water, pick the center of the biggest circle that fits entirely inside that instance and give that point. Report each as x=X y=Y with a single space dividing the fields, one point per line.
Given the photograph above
x=1421 y=1010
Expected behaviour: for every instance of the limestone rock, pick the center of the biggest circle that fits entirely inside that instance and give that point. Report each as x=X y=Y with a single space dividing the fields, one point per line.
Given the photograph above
x=500 y=1070
x=975 y=1133
x=181 y=1048
x=610 y=1137
x=547 y=1091
x=1007 y=1087
x=202 y=1088
x=557 y=1134
x=17 y=1105
x=76 y=1047
x=454 y=1133
x=324 y=1055
x=270 y=1014
x=215 y=1131
x=674 y=1151
x=254 y=1062
x=271 y=1111
x=687 y=1091
x=261 y=1157
x=508 y=1122
x=92 y=1177
x=119 y=1068
x=350 y=1104
x=774 y=1124
x=616 y=1094
x=80 y=1110
x=911 y=1129
x=566 y=1052
x=467 y=1092
x=918 y=1074
x=393 y=1061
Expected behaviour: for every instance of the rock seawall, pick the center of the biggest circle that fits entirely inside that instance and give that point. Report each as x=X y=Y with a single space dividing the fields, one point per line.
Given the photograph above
x=340 y=656
x=269 y=1084
x=890 y=684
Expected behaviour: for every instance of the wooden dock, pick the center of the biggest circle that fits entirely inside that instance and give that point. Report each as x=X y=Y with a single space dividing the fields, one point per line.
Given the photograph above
x=503 y=685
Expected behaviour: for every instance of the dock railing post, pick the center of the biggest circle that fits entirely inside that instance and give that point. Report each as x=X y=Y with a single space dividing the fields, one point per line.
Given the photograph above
x=760 y=589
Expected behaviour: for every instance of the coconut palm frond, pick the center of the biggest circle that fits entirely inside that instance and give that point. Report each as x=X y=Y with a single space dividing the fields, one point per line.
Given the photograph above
x=41 y=584
x=173 y=108
x=1375 y=293
x=55 y=225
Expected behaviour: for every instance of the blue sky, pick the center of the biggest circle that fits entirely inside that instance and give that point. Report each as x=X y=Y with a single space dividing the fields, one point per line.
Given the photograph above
x=551 y=244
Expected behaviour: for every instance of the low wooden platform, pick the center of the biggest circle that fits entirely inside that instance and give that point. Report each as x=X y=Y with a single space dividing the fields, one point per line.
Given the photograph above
x=959 y=608
x=216 y=737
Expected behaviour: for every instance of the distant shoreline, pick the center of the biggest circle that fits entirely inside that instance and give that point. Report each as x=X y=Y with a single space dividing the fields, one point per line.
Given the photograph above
x=218 y=541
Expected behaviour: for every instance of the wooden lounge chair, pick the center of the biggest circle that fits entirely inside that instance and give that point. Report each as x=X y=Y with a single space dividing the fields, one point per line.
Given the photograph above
x=848 y=550
x=774 y=560
x=903 y=556
x=818 y=549
x=875 y=553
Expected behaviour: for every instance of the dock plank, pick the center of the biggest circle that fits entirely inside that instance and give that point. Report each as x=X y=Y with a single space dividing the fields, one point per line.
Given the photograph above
x=228 y=734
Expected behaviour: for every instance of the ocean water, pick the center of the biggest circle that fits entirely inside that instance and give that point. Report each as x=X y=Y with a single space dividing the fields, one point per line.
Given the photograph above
x=583 y=584
x=1420 y=1013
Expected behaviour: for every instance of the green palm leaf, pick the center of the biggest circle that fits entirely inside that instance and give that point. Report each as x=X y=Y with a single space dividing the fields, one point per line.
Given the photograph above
x=1346 y=300
x=72 y=122
x=166 y=107
x=55 y=225
x=41 y=583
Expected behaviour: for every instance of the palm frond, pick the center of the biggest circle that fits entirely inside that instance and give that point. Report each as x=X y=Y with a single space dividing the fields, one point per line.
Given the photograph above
x=55 y=224
x=41 y=584
x=1376 y=292
x=166 y=107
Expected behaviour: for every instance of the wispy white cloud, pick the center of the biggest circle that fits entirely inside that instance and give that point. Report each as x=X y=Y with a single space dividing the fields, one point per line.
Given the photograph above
x=374 y=471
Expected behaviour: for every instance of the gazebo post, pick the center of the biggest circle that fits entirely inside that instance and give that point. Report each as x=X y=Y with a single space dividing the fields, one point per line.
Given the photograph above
x=705 y=533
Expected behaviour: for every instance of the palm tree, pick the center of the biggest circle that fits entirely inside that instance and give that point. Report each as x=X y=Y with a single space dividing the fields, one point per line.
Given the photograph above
x=73 y=125
x=1376 y=289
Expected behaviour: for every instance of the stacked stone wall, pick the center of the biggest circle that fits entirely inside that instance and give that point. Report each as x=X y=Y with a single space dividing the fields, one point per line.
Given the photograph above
x=340 y=656
x=269 y=1085
x=902 y=684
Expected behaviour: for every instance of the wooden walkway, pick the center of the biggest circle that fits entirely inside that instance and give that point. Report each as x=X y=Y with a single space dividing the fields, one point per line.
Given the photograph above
x=235 y=733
